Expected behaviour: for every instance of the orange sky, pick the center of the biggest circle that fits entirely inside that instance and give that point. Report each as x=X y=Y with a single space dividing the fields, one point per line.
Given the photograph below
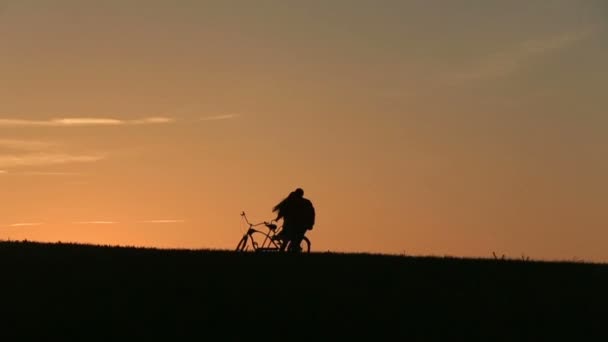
x=430 y=129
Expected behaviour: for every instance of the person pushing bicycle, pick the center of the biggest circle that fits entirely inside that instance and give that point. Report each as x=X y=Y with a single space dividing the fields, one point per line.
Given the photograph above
x=298 y=214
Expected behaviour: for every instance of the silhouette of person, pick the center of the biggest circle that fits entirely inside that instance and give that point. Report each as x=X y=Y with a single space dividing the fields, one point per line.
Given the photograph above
x=298 y=214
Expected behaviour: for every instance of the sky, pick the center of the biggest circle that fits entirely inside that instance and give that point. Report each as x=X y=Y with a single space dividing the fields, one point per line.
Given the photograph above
x=445 y=128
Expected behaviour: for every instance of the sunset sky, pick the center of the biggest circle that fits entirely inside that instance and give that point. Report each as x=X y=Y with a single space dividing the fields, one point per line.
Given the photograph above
x=421 y=127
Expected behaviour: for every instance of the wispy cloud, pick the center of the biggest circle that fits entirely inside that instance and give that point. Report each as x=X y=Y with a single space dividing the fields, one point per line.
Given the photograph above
x=25 y=145
x=3 y=172
x=152 y=120
x=49 y=173
x=38 y=153
x=41 y=159
x=96 y=222
x=505 y=62
x=82 y=122
x=220 y=117
x=164 y=221
x=25 y=224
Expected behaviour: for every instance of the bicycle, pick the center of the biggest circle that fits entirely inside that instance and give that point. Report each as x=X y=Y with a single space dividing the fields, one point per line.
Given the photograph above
x=255 y=240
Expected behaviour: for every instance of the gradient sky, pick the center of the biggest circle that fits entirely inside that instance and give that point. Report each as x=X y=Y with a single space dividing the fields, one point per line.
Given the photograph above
x=422 y=127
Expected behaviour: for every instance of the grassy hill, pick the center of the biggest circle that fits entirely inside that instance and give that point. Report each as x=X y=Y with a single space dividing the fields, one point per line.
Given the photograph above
x=109 y=293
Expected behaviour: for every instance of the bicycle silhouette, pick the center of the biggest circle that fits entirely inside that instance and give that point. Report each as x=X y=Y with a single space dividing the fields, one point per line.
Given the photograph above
x=255 y=240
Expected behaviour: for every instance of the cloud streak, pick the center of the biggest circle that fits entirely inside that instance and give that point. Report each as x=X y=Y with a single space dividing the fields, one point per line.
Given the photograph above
x=42 y=159
x=25 y=224
x=25 y=145
x=38 y=153
x=82 y=122
x=220 y=117
x=508 y=61
x=163 y=221
x=49 y=173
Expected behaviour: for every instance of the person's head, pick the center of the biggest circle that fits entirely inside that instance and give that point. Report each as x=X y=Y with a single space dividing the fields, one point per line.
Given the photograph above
x=298 y=193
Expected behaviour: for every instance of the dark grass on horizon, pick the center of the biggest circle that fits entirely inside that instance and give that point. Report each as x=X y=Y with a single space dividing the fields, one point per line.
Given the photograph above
x=111 y=292
x=494 y=257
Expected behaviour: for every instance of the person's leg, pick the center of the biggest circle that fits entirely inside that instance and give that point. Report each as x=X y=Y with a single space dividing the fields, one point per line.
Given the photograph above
x=284 y=242
x=296 y=240
x=285 y=236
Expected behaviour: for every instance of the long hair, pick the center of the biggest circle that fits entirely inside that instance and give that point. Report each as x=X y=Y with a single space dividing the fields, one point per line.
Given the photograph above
x=279 y=207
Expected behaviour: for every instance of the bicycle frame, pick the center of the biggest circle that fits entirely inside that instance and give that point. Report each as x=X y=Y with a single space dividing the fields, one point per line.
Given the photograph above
x=268 y=243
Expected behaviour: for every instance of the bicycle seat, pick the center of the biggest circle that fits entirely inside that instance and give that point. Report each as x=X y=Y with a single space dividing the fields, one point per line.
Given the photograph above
x=271 y=226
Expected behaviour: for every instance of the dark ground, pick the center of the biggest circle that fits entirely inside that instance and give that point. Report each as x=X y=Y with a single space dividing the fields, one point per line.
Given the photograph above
x=109 y=293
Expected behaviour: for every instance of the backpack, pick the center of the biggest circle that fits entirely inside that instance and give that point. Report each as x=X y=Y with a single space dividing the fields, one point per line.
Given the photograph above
x=309 y=215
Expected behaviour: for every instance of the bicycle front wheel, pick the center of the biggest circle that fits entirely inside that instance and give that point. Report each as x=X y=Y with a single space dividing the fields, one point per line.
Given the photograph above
x=257 y=241
x=242 y=246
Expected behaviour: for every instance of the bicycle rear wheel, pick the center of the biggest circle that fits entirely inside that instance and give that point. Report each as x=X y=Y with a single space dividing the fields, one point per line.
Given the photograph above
x=303 y=248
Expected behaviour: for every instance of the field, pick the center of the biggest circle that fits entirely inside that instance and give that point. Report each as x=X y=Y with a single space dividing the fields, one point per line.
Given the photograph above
x=87 y=292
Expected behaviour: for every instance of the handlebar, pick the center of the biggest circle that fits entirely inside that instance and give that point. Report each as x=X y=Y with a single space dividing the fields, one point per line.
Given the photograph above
x=266 y=223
